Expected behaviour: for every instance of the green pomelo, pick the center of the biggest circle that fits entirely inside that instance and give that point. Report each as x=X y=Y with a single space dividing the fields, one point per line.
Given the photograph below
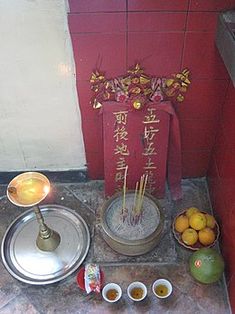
x=206 y=265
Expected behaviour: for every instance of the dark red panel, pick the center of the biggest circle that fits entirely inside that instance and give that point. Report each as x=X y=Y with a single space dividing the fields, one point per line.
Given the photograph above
x=231 y=286
x=202 y=21
x=77 y=6
x=156 y=21
x=228 y=131
x=228 y=117
x=92 y=130
x=95 y=164
x=96 y=51
x=203 y=100
x=226 y=166
x=153 y=5
x=212 y=173
x=195 y=163
x=213 y=186
x=219 y=151
x=97 y=22
x=225 y=191
x=158 y=53
x=228 y=246
x=210 y=5
x=218 y=201
x=197 y=134
x=201 y=56
x=84 y=97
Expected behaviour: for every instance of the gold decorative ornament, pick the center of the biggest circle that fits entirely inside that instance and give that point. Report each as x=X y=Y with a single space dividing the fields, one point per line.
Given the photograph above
x=136 y=82
x=137 y=105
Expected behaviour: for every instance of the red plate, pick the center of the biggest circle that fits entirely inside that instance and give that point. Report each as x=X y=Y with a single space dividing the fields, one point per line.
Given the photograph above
x=80 y=278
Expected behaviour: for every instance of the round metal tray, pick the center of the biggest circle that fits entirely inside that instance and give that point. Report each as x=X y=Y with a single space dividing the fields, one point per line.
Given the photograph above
x=27 y=263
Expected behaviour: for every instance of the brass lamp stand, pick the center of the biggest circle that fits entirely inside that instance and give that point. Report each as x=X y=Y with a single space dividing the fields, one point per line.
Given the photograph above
x=29 y=189
x=47 y=239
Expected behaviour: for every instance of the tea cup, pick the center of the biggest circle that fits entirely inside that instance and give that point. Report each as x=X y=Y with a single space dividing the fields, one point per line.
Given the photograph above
x=137 y=291
x=162 y=288
x=111 y=292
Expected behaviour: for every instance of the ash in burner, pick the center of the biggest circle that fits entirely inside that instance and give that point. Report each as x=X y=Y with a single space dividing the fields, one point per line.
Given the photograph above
x=122 y=224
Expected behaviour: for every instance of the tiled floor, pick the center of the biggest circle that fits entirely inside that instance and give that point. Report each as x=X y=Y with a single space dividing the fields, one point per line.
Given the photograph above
x=168 y=260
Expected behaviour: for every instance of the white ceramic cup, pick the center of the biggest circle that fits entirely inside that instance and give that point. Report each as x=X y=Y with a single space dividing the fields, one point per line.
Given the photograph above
x=109 y=294
x=131 y=291
x=165 y=283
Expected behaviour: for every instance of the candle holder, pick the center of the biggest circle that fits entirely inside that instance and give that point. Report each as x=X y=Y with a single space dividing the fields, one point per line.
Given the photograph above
x=29 y=189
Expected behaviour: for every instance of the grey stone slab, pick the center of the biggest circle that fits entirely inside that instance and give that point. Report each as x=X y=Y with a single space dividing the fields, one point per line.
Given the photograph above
x=169 y=259
x=20 y=305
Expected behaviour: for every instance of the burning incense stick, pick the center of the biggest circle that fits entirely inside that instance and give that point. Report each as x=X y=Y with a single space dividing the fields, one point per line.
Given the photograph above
x=140 y=198
x=140 y=195
x=124 y=190
x=145 y=183
x=135 y=197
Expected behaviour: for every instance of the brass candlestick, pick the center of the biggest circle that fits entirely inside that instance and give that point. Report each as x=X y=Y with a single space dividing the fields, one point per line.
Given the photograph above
x=28 y=190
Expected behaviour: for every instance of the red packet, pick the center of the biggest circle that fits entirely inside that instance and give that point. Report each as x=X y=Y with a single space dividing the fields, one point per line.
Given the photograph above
x=92 y=278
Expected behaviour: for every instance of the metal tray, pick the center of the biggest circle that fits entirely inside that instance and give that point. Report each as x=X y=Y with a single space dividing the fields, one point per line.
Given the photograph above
x=27 y=263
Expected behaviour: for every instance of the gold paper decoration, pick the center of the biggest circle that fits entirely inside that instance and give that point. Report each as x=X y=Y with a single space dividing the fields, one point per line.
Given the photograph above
x=137 y=88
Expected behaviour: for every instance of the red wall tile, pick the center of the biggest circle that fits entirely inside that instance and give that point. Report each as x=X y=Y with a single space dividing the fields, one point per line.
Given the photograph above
x=203 y=100
x=197 y=134
x=156 y=21
x=201 y=56
x=210 y=5
x=195 y=163
x=158 y=53
x=97 y=22
x=78 y=6
x=202 y=21
x=96 y=51
x=161 y=5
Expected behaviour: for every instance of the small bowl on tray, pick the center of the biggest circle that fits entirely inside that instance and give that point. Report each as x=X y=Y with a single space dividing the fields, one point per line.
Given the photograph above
x=197 y=245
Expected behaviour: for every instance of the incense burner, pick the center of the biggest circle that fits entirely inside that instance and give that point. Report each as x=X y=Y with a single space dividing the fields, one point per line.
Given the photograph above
x=122 y=233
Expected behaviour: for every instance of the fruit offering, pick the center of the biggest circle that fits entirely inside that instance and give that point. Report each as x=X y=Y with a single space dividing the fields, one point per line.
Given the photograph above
x=206 y=265
x=195 y=229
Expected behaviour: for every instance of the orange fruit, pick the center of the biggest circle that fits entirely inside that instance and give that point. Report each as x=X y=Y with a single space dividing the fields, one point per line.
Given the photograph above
x=210 y=221
x=191 y=210
x=206 y=236
x=181 y=223
x=189 y=236
x=197 y=221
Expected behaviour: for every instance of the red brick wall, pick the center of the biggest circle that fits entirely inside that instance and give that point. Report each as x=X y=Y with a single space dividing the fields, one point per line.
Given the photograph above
x=165 y=37
x=221 y=179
